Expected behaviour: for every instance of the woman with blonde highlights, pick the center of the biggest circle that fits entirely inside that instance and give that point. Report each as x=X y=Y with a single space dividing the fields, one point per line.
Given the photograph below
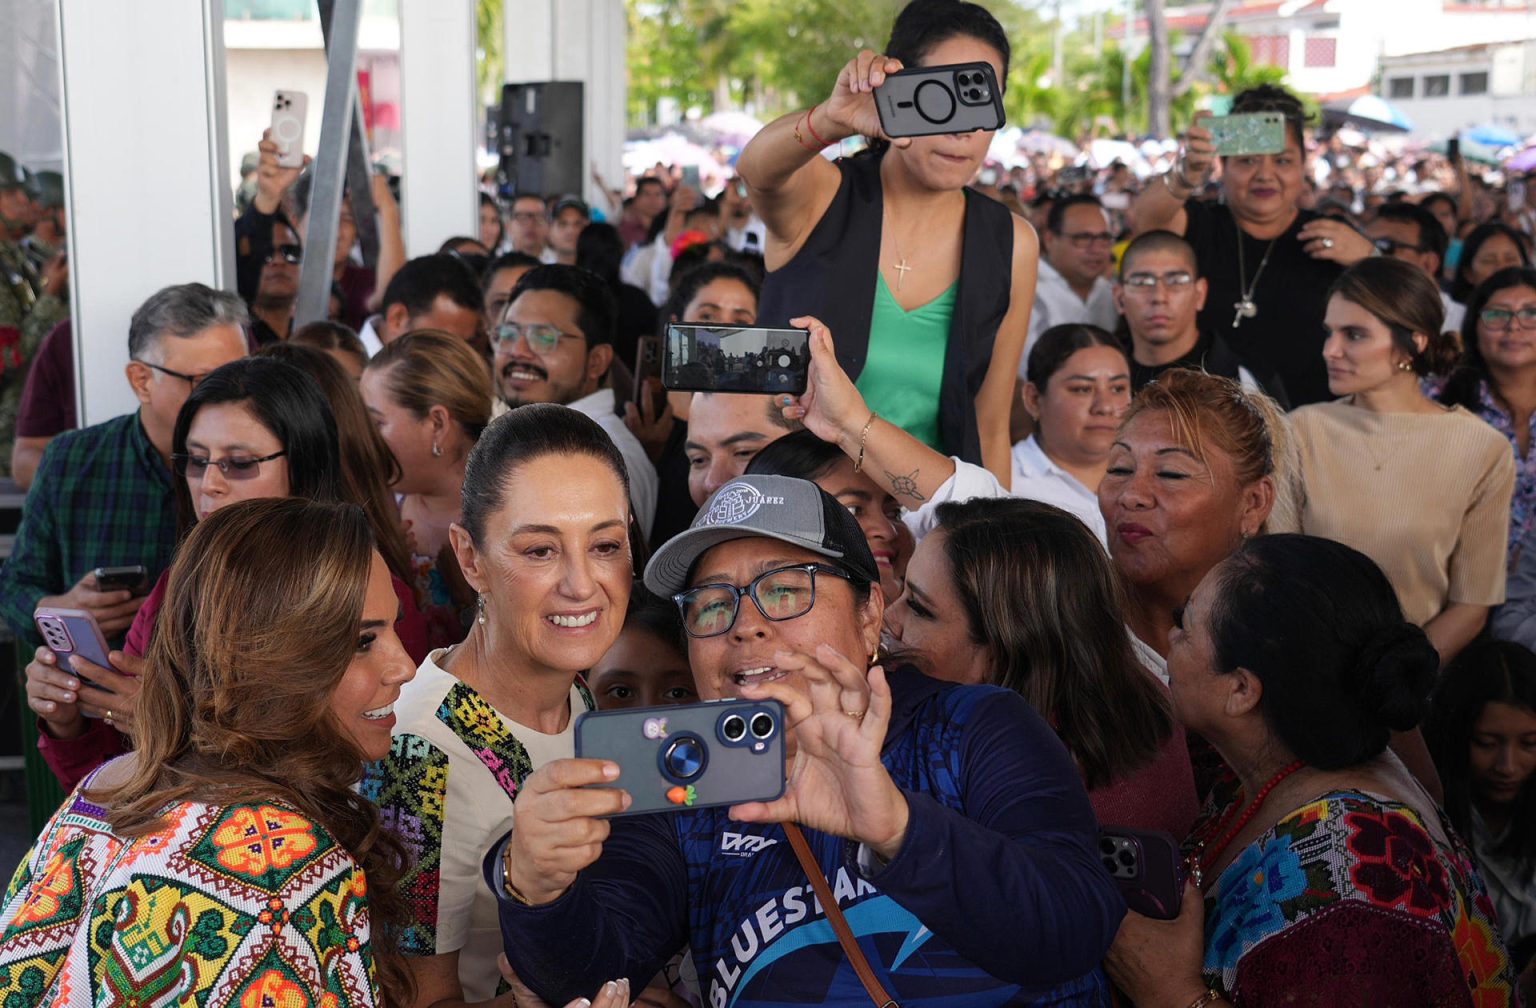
x=228 y=859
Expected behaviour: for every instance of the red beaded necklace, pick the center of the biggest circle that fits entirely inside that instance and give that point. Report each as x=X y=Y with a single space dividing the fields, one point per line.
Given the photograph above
x=1203 y=856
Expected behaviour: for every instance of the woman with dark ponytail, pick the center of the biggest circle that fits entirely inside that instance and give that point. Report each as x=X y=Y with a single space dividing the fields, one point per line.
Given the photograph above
x=1421 y=488
x=1331 y=878
x=927 y=284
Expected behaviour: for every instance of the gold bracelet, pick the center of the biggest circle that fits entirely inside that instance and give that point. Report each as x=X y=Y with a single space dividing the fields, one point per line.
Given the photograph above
x=858 y=464
x=1211 y=996
x=512 y=891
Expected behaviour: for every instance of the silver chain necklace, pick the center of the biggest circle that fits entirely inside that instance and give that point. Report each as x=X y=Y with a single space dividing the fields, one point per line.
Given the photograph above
x=1245 y=306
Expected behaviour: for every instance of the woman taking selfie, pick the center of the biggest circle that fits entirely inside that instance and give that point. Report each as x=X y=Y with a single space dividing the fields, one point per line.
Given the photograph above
x=1422 y=489
x=1333 y=878
x=228 y=860
x=254 y=428
x=904 y=787
x=543 y=543
x=927 y=284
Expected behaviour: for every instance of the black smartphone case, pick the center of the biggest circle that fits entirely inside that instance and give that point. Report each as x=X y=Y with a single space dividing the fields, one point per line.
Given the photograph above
x=733 y=771
x=1145 y=866
x=925 y=101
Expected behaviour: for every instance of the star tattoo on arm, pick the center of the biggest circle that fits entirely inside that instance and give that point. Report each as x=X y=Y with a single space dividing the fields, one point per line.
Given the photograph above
x=905 y=486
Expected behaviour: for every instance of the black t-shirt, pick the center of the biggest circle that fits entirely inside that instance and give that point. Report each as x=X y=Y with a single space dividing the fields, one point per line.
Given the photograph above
x=1286 y=336
x=1212 y=355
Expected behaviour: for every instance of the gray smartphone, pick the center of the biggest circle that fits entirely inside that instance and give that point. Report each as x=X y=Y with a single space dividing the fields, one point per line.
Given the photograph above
x=70 y=632
x=745 y=359
x=954 y=98
x=1247 y=133
x=719 y=752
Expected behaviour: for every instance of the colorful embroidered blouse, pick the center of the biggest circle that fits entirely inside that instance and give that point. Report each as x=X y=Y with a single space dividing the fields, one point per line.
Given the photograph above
x=1522 y=507
x=446 y=789
x=235 y=905
x=1351 y=900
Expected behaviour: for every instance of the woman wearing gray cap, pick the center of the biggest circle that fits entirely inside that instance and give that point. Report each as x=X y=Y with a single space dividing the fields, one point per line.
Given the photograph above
x=948 y=820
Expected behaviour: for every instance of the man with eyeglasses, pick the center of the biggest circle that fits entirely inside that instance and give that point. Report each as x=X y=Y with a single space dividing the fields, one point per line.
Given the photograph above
x=1071 y=285
x=529 y=225
x=103 y=494
x=555 y=344
x=1411 y=233
x=1160 y=294
x=277 y=287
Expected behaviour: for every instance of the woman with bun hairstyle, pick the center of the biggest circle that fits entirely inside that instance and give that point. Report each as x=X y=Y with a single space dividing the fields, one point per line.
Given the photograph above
x=1420 y=488
x=1332 y=878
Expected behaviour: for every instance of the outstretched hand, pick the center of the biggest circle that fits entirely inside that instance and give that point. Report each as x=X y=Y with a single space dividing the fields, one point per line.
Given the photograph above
x=831 y=407
x=837 y=783
x=852 y=102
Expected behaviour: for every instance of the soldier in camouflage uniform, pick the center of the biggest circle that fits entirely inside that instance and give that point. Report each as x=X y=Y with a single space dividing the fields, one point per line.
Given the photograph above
x=46 y=188
x=30 y=304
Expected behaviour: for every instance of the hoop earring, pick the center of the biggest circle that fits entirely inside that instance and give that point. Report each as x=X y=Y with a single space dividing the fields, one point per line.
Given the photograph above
x=480 y=609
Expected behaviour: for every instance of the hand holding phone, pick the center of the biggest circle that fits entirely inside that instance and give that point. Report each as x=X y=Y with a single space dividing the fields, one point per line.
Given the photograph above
x=954 y=98
x=1145 y=867
x=129 y=577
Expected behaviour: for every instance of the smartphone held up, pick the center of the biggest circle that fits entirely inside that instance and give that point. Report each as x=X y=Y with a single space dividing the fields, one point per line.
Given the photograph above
x=736 y=359
x=719 y=752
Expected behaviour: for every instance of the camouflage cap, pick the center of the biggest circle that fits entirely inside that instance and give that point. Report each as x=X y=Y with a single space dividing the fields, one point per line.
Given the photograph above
x=12 y=175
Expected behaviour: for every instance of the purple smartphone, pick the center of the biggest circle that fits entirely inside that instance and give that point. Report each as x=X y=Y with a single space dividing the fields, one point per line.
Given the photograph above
x=69 y=632
x=1145 y=865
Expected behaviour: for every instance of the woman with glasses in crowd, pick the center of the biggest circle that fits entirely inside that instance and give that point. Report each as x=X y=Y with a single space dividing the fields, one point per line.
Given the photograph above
x=1481 y=729
x=934 y=810
x=430 y=396
x=543 y=543
x=1495 y=379
x=1268 y=262
x=846 y=238
x=228 y=860
x=1422 y=489
x=253 y=428
x=1336 y=879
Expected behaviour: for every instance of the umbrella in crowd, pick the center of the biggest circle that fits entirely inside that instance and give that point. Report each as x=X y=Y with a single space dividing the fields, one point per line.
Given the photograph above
x=1368 y=113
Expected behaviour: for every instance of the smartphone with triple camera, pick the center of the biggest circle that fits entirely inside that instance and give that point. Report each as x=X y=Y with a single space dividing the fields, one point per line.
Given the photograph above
x=70 y=632
x=133 y=577
x=1247 y=133
x=954 y=98
x=719 y=752
x=743 y=359
x=288 y=111
x=1145 y=867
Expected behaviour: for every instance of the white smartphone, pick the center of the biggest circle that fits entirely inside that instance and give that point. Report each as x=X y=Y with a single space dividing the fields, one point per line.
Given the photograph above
x=288 y=111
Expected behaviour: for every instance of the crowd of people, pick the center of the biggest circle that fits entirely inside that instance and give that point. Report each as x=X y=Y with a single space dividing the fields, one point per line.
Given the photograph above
x=1186 y=516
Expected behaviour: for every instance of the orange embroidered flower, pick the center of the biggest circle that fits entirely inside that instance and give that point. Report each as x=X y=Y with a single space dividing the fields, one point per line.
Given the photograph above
x=48 y=892
x=273 y=990
x=275 y=915
x=1481 y=957
x=255 y=841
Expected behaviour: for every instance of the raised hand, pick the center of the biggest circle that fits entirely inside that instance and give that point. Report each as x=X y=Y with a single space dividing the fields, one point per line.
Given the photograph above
x=556 y=831
x=831 y=407
x=1197 y=156
x=837 y=783
x=851 y=105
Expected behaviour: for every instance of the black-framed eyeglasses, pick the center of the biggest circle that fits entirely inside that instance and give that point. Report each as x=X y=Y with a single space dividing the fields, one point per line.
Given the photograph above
x=1088 y=239
x=541 y=337
x=236 y=467
x=191 y=379
x=1391 y=246
x=1503 y=318
x=783 y=593
x=290 y=254
x=1149 y=281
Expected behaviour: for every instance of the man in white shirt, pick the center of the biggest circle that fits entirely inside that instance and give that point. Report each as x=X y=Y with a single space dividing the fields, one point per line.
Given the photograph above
x=554 y=344
x=1411 y=233
x=1072 y=286
x=428 y=292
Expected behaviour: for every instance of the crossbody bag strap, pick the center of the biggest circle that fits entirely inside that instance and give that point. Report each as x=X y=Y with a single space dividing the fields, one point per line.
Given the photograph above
x=877 y=994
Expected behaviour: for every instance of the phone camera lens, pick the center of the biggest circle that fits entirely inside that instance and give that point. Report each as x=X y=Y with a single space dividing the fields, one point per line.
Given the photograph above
x=973 y=94
x=733 y=727
x=684 y=758
x=1106 y=846
x=1127 y=858
x=1109 y=866
x=762 y=725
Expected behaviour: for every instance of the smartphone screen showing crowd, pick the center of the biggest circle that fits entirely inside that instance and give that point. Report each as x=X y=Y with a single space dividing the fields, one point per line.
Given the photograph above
x=736 y=359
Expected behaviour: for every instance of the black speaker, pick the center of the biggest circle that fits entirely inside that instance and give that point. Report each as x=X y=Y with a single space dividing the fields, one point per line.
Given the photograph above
x=541 y=139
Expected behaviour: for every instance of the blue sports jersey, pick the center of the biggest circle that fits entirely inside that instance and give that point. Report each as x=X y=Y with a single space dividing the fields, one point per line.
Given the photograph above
x=997 y=896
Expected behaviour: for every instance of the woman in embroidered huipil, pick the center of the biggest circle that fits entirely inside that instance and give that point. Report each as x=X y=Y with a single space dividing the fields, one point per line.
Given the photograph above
x=544 y=541
x=1332 y=878
x=227 y=861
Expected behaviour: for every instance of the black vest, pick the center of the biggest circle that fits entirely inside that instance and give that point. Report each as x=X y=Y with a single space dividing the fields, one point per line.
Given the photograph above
x=833 y=278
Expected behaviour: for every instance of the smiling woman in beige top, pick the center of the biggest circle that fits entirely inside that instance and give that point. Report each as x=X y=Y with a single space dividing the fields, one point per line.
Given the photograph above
x=1421 y=489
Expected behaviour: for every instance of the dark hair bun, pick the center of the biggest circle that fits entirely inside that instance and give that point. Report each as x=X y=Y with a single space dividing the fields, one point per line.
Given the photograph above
x=1440 y=354
x=1395 y=670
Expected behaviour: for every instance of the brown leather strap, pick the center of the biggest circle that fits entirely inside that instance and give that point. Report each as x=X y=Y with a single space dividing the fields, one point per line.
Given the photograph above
x=877 y=993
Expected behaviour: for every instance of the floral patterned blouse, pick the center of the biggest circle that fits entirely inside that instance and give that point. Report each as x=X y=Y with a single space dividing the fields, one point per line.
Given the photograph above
x=221 y=905
x=1351 y=900
x=1522 y=507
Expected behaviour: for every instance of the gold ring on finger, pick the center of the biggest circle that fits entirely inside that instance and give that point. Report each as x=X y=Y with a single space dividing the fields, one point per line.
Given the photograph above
x=108 y=718
x=857 y=715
